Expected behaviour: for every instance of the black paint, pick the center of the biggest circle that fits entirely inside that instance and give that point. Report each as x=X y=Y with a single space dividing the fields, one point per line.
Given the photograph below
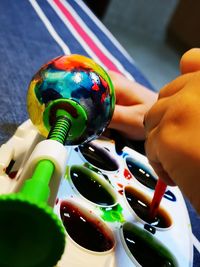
x=99 y=157
x=141 y=173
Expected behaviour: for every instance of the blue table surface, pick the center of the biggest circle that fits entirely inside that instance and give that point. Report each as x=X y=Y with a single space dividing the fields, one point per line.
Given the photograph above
x=31 y=33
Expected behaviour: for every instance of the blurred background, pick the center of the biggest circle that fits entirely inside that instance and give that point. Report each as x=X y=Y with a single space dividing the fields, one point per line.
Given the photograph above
x=154 y=32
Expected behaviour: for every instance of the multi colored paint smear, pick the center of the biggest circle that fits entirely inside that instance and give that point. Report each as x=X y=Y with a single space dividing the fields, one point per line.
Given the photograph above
x=77 y=78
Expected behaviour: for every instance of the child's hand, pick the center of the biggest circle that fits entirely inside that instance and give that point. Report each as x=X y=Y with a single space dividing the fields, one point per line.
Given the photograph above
x=173 y=130
x=132 y=102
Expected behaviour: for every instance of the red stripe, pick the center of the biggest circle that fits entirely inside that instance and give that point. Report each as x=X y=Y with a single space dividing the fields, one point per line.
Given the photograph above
x=103 y=58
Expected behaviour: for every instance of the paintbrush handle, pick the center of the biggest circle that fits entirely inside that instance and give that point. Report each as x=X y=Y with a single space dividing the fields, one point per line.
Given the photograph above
x=158 y=194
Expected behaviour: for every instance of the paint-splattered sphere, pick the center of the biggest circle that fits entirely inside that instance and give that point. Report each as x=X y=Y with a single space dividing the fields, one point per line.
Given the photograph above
x=76 y=84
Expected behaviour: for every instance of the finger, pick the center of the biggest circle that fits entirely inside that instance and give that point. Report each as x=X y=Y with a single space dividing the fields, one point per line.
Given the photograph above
x=155 y=114
x=190 y=61
x=151 y=149
x=128 y=120
x=162 y=174
x=123 y=89
x=175 y=86
x=129 y=92
x=151 y=146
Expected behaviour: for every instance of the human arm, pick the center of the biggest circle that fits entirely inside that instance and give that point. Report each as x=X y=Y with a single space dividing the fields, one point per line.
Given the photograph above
x=132 y=102
x=173 y=130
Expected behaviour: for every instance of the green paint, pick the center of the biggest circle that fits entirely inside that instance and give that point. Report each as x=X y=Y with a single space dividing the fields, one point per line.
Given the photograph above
x=89 y=166
x=92 y=168
x=138 y=240
x=90 y=185
x=67 y=172
x=113 y=214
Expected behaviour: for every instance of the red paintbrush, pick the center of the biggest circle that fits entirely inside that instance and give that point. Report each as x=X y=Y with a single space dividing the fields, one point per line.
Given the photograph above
x=158 y=194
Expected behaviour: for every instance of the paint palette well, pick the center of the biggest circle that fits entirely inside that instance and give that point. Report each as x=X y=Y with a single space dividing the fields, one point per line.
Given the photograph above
x=103 y=202
x=116 y=190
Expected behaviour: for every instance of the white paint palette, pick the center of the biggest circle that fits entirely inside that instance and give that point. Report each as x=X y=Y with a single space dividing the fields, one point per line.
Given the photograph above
x=103 y=201
x=129 y=182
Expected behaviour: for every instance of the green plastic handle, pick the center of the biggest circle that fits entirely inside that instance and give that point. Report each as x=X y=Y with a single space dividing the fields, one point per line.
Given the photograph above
x=36 y=188
x=30 y=231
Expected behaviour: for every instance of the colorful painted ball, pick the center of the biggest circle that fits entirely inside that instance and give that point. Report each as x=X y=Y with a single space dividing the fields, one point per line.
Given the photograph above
x=78 y=86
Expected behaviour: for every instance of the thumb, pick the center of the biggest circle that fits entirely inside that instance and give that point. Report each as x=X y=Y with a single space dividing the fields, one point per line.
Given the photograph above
x=190 y=61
